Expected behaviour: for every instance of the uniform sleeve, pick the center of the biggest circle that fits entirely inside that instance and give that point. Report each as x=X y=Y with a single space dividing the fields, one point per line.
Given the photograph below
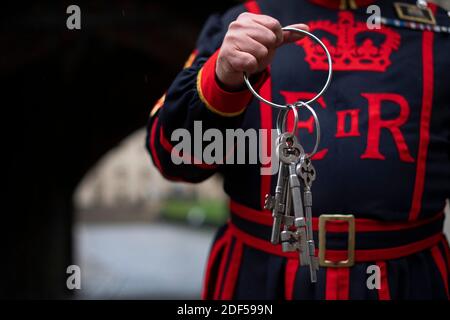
x=194 y=103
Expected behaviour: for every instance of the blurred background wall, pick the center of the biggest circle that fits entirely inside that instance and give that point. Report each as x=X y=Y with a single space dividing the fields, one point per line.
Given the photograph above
x=68 y=97
x=138 y=235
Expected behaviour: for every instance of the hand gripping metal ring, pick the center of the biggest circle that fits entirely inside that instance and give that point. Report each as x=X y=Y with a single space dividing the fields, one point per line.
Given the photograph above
x=330 y=72
x=281 y=123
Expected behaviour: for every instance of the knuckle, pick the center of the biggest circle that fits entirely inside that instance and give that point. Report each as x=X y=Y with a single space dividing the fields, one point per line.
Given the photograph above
x=271 y=38
x=234 y=25
x=244 y=15
x=262 y=52
x=250 y=64
x=235 y=63
x=273 y=24
x=230 y=37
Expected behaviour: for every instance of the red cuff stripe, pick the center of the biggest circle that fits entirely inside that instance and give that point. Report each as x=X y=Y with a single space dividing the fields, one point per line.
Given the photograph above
x=224 y=103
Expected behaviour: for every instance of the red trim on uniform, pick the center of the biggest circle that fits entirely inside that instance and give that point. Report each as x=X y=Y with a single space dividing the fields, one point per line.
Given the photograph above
x=440 y=263
x=337 y=285
x=259 y=244
x=222 y=267
x=331 y=284
x=155 y=157
x=233 y=271
x=217 y=99
x=336 y=255
x=361 y=225
x=211 y=260
x=165 y=143
x=383 y=292
x=289 y=278
x=252 y=7
x=389 y=253
x=152 y=144
x=266 y=123
x=446 y=250
x=427 y=104
x=244 y=212
x=343 y=283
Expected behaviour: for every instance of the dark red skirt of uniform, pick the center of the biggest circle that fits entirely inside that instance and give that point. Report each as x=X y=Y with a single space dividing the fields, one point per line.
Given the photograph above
x=413 y=260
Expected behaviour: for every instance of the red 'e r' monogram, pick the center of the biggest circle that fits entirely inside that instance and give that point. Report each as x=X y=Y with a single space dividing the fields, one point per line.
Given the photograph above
x=376 y=124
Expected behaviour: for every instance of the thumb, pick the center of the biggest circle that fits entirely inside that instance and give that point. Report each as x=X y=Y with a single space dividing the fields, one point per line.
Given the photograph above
x=292 y=36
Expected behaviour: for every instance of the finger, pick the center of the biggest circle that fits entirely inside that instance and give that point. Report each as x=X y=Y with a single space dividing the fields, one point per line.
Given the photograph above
x=243 y=62
x=265 y=62
x=290 y=36
x=270 y=23
x=262 y=35
x=256 y=49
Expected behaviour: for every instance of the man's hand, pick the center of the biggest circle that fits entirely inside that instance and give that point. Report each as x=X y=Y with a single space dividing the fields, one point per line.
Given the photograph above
x=249 y=46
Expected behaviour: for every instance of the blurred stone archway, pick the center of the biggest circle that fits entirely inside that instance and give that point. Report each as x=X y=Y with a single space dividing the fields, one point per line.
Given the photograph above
x=69 y=97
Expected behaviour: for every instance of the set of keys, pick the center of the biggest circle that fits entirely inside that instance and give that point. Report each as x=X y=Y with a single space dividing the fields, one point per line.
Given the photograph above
x=291 y=205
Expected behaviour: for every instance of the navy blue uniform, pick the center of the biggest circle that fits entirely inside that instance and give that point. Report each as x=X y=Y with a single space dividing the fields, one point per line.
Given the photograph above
x=384 y=154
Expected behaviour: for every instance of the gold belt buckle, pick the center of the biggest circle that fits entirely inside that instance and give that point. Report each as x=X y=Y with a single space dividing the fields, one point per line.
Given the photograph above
x=323 y=240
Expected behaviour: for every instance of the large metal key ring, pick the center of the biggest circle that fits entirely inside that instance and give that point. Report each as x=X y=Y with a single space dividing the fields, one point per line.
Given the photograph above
x=281 y=123
x=281 y=120
x=325 y=87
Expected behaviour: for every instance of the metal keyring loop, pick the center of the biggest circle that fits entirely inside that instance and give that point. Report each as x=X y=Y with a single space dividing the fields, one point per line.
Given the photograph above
x=330 y=72
x=316 y=120
x=281 y=120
